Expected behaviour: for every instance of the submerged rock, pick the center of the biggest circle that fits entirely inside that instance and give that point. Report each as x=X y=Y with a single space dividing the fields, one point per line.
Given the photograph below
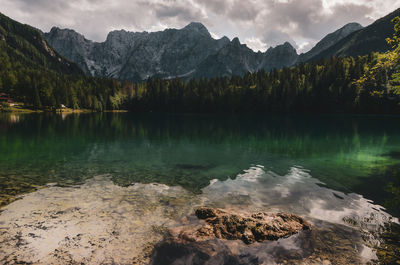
x=326 y=243
x=202 y=244
x=248 y=227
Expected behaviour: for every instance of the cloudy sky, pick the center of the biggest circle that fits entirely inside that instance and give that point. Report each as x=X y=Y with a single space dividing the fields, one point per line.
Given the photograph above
x=258 y=23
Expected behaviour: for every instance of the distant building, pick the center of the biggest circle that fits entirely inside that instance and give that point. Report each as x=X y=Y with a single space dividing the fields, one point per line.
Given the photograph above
x=5 y=98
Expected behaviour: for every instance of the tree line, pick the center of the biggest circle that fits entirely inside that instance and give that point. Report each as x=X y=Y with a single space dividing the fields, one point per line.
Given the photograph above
x=328 y=86
x=366 y=84
x=42 y=88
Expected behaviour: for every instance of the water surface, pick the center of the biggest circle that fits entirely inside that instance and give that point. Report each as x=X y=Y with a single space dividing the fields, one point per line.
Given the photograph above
x=154 y=169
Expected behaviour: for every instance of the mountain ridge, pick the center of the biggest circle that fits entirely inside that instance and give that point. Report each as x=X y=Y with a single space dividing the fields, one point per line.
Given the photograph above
x=135 y=56
x=330 y=40
x=191 y=52
x=371 y=38
x=18 y=38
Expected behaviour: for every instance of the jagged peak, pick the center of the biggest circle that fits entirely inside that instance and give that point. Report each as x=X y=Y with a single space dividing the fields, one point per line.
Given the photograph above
x=286 y=45
x=121 y=33
x=236 y=41
x=225 y=38
x=66 y=31
x=197 y=27
x=57 y=29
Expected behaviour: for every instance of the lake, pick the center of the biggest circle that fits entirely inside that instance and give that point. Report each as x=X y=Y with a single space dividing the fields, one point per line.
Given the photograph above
x=103 y=187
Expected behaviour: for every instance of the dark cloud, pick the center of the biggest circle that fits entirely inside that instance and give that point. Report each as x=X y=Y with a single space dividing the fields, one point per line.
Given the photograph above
x=178 y=11
x=262 y=22
x=307 y=21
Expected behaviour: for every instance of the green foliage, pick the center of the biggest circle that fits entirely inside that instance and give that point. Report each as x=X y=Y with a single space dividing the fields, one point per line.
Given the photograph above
x=33 y=73
x=327 y=86
x=383 y=73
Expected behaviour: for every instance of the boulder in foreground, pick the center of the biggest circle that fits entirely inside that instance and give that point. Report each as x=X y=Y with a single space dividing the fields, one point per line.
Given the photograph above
x=252 y=227
x=202 y=244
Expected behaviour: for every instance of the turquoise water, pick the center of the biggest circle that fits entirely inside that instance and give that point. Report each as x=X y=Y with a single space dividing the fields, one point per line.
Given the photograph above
x=345 y=153
x=101 y=188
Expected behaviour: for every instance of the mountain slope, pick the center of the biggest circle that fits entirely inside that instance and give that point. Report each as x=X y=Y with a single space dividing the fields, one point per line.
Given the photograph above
x=330 y=40
x=369 y=39
x=33 y=73
x=25 y=44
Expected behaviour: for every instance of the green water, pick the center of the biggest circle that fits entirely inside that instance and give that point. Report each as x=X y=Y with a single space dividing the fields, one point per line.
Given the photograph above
x=349 y=154
x=83 y=174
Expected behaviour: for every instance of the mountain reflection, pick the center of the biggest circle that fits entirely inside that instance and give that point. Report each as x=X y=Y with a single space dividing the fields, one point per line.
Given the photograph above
x=189 y=150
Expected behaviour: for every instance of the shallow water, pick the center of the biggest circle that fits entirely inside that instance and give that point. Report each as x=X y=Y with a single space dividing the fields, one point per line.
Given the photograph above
x=109 y=185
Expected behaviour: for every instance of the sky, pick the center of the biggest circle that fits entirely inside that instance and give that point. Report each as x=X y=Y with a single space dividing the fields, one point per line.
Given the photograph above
x=258 y=23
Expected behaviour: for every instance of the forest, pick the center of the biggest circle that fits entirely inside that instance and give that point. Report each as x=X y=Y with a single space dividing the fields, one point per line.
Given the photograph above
x=329 y=86
x=33 y=73
x=366 y=84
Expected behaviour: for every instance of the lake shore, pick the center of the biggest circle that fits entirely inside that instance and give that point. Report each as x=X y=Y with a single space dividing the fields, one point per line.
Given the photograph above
x=23 y=110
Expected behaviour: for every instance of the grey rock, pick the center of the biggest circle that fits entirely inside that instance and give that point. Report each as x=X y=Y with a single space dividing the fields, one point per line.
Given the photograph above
x=186 y=53
x=190 y=52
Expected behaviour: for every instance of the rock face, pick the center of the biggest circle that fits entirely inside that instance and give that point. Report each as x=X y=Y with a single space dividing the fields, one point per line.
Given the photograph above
x=186 y=53
x=191 y=52
x=249 y=228
x=72 y=45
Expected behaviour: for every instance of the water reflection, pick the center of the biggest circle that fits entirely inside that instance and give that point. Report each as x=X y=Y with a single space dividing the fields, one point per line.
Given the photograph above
x=189 y=150
x=100 y=222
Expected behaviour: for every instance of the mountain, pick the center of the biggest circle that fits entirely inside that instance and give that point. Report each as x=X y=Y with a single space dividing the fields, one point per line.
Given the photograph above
x=138 y=55
x=330 y=40
x=279 y=57
x=361 y=42
x=187 y=52
x=192 y=52
x=26 y=45
x=35 y=74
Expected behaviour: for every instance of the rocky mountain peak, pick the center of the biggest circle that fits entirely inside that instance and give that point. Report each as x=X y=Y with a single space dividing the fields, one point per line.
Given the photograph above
x=198 y=28
x=188 y=52
x=236 y=42
x=57 y=32
x=287 y=46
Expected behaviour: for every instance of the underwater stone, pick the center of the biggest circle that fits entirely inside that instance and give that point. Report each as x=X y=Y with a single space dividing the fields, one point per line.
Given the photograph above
x=248 y=227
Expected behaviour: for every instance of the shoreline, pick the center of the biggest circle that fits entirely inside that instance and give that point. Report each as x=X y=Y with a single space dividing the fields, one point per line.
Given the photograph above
x=58 y=111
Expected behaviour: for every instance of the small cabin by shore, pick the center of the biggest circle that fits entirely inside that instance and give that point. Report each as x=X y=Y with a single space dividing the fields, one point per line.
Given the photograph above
x=5 y=98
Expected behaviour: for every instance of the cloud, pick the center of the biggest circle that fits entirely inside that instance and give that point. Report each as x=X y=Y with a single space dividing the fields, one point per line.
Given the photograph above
x=273 y=38
x=259 y=23
x=256 y=44
x=245 y=10
x=177 y=10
